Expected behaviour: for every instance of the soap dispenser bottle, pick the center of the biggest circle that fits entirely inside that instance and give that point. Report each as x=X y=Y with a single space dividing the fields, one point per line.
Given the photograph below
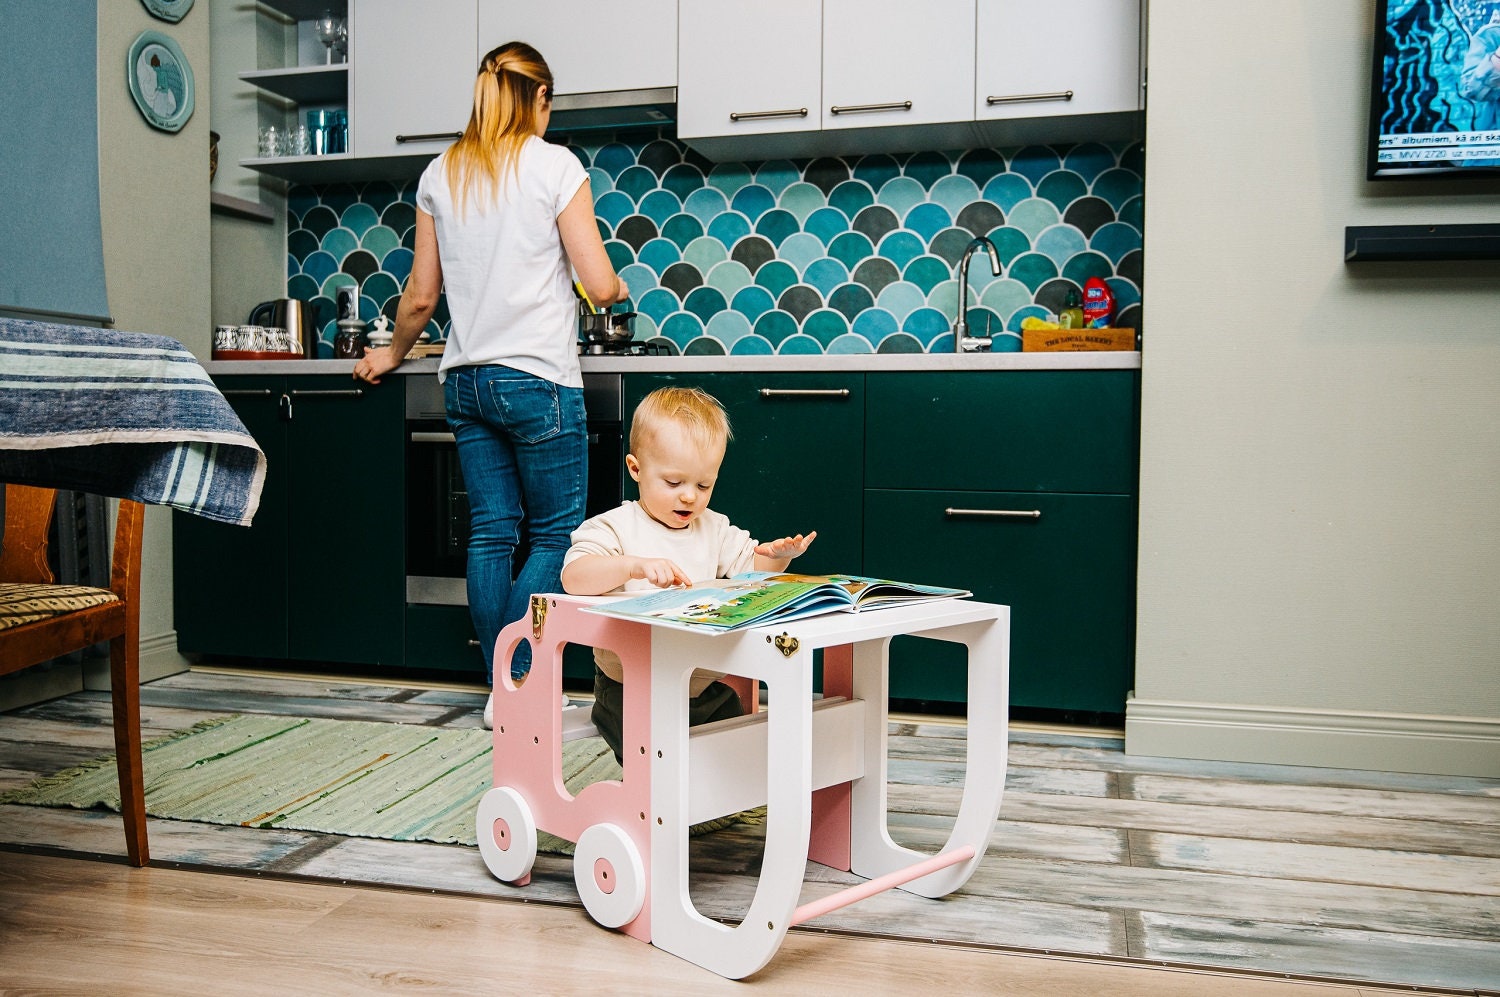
x=1071 y=317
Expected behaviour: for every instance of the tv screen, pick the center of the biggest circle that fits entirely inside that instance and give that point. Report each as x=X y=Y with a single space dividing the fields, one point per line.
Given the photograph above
x=1435 y=93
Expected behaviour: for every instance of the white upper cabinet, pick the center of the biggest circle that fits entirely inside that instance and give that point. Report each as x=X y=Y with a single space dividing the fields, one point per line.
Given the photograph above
x=412 y=71
x=590 y=46
x=1047 y=58
x=749 y=67
x=895 y=62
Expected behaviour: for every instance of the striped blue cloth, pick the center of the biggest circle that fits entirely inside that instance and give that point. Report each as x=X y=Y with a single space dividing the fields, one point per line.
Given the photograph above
x=123 y=414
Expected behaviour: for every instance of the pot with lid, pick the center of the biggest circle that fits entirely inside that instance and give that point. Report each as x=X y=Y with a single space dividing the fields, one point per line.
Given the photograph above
x=604 y=332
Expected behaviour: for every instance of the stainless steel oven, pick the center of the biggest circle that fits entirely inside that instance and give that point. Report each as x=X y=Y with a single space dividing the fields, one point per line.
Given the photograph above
x=437 y=504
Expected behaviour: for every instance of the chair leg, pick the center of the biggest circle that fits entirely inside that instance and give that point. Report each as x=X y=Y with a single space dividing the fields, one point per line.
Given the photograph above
x=125 y=697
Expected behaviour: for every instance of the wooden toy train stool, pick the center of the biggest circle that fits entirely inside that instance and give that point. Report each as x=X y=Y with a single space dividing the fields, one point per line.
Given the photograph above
x=819 y=766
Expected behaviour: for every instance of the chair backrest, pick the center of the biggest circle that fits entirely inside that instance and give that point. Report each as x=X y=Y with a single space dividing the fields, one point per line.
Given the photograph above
x=23 y=545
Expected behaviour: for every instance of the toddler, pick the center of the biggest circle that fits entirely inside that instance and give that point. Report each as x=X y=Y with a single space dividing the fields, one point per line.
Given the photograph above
x=668 y=537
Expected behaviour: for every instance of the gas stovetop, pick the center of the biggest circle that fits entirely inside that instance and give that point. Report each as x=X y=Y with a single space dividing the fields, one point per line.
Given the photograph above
x=632 y=349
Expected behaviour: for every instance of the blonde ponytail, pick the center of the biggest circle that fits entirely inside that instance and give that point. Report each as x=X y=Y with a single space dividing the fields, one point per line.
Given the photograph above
x=504 y=116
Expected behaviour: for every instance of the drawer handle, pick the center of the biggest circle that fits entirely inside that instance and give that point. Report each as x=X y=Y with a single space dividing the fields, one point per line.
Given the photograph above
x=328 y=393
x=897 y=105
x=952 y=513
x=1022 y=98
x=247 y=393
x=433 y=438
x=430 y=137
x=804 y=392
x=793 y=112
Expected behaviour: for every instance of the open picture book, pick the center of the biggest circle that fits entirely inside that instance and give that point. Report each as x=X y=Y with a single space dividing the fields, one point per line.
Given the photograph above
x=756 y=598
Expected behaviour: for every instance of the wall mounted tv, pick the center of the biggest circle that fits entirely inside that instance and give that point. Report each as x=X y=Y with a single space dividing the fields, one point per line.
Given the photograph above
x=1435 y=91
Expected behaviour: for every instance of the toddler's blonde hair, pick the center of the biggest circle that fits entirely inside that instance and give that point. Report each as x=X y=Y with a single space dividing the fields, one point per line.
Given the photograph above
x=695 y=411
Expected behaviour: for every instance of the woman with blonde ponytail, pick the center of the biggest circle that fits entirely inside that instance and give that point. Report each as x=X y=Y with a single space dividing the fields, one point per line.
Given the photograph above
x=502 y=217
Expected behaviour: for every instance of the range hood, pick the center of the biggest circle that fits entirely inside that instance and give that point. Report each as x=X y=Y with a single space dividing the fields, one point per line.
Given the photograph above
x=575 y=113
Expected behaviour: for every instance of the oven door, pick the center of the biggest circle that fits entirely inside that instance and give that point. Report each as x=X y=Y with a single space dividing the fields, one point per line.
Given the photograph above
x=437 y=516
x=437 y=503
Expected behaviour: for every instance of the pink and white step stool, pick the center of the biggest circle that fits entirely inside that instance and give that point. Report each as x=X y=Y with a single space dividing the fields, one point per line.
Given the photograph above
x=819 y=766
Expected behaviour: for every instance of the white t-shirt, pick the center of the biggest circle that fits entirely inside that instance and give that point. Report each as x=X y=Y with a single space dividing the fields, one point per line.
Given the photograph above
x=505 y=273
x=710 y=547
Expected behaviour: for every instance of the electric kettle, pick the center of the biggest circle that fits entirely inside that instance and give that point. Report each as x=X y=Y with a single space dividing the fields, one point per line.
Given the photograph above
x=296 y=317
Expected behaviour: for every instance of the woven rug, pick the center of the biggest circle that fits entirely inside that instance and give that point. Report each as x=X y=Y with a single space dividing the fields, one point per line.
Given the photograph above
x=402 y=782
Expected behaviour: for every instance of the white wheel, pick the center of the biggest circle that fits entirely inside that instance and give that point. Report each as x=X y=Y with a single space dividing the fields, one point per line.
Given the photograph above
x=610 y=876
x=507 y=834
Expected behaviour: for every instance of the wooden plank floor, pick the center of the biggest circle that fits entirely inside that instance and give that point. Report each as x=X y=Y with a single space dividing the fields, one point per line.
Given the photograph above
x=1336 y=875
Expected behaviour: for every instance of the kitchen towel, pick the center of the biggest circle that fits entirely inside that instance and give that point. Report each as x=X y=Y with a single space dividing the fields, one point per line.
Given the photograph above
x=123 y=414
x=402 y=782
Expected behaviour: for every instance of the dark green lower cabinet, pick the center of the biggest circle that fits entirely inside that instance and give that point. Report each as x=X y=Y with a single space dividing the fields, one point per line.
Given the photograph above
x=442 y=638
x=319 y=574
x=1068 y=575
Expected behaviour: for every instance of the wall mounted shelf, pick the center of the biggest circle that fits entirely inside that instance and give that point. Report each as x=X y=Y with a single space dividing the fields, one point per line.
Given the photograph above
x=1379 y=243
x=238 y=207
x=304 y=84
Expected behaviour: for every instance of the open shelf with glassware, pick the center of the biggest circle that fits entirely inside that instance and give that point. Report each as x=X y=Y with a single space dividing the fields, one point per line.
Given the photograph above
x=290 y=146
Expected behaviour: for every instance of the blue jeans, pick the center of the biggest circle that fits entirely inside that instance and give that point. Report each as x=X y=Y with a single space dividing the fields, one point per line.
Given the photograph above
x=523 y=447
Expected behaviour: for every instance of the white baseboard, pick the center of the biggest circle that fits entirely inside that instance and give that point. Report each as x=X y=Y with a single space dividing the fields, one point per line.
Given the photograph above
x=158 y=659
x=1385 y=742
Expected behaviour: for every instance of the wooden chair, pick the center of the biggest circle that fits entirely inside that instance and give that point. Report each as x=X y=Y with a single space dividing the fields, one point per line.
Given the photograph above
x=40 y=620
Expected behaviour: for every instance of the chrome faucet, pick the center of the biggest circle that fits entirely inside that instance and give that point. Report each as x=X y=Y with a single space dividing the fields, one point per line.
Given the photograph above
x=962 y=341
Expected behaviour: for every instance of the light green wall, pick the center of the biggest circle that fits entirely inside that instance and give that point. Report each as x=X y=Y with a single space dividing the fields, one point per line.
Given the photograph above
x=249 y=256
x=1319 y=548
x=153 y=203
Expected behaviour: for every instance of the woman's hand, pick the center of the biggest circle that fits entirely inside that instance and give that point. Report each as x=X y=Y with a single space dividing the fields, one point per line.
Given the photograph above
x=659 y=572
x=375 y=363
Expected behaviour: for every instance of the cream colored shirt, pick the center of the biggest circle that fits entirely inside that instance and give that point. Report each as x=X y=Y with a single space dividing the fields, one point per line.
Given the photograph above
x=711 y=547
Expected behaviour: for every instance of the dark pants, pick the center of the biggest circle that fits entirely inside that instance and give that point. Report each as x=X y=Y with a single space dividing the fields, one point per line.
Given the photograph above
x=717 y=702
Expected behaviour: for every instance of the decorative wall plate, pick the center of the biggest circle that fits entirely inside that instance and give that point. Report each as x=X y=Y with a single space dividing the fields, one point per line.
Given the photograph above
x=161 y=81
x=168 y=10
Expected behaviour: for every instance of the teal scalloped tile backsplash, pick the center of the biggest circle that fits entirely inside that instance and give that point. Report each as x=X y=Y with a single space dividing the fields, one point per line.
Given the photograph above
x=830 y=255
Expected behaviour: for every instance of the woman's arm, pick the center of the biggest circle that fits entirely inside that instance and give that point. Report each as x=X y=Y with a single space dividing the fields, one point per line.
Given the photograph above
x=580 y=238
x=418 y=301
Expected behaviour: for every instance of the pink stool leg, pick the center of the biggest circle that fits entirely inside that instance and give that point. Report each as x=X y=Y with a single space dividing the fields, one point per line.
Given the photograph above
x=830 y=842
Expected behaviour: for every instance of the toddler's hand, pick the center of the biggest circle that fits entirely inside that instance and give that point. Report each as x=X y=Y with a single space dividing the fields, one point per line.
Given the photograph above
x=787 y=547
x=659 y=572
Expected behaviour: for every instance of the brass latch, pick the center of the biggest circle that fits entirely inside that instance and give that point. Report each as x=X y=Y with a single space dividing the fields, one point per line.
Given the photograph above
x=785 y=644
x=538 y=615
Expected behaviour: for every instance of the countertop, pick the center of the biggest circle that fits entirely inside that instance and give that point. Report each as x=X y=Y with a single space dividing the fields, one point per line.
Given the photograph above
x=813 y=363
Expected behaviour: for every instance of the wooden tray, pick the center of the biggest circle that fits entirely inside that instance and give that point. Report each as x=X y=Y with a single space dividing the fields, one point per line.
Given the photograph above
x=1066 y=340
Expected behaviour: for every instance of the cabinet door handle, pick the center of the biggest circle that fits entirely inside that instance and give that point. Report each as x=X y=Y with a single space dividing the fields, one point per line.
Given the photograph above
x=898 y=105
x=804 y=392
x=247 y=393
x=432 y=438
x=952 y=513
x=430 y=137
x=1021 y=98
x=329 y=393
x=793 y=112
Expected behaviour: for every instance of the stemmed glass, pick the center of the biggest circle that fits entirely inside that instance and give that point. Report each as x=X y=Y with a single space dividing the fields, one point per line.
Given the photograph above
x=328 y=29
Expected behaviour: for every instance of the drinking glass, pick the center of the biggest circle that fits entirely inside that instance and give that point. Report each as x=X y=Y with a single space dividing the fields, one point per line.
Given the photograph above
x=270 y=144
x=327 y=28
